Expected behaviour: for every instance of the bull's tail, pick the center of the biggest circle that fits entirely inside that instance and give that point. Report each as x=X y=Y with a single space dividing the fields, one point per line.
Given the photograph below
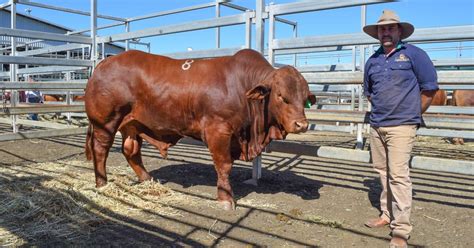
x=89 y=143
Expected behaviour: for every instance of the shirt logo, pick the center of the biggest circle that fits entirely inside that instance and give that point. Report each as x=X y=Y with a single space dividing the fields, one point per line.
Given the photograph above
x=402 y=58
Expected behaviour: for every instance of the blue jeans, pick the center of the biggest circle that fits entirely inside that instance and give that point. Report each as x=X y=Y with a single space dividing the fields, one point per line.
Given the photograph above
x=33 y=99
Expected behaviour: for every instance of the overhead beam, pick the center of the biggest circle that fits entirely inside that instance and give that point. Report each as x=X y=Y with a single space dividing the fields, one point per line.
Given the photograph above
x=307 y=6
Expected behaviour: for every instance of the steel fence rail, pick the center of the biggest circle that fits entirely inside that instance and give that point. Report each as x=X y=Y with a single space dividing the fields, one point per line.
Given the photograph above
x=204 y=53
x=307 y=6
x=40 y=109
x=44 y=70
x=43 y=61
x=79 y=84
x=48 y=69
x=44 y=35
x=178 y=28
x=454 y=33
x=444 y=77
x=170 y=12
x=53 y=49
x=45 y=6
x=430 y=120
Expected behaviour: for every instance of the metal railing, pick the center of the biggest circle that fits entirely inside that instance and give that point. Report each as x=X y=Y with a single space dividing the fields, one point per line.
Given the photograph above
x=322 y=78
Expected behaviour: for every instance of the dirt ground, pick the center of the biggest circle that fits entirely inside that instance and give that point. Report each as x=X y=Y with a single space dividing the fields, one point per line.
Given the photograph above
x=300 y=200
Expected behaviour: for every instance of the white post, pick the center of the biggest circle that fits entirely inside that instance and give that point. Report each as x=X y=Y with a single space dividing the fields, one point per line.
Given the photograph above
x=259 y=26
x=295 y=35
x=94 y=32
x=68 y=95
x=248 y=31
x=13 y=67
x=127 y=29
x=363 y=20
x=218 y=30
x=271 y=36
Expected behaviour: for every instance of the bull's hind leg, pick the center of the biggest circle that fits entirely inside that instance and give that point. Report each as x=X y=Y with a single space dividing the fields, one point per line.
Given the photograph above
x=131 y=149
x=101 y=141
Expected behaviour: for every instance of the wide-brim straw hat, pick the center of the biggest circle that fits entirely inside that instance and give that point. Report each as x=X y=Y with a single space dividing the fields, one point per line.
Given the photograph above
x=389 y=17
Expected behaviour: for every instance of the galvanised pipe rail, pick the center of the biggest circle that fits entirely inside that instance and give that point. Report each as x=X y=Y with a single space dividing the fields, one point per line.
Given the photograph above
x=41 y=5
x=441 y=34
x=430 y=120
x=44 y=35
x=307 y=6
x=178 y=28
x=444 y=77
x=43 y=61
x=79 y=84
x=41 y=108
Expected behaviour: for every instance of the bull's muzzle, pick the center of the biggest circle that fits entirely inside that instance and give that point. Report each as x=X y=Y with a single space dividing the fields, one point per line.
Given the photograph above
x=301 y=126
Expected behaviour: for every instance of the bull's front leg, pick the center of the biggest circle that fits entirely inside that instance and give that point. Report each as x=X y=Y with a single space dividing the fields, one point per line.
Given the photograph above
x=219 y=141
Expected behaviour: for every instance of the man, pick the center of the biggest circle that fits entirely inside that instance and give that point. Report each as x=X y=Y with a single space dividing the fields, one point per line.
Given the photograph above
x=400 y=82
x=33 y=96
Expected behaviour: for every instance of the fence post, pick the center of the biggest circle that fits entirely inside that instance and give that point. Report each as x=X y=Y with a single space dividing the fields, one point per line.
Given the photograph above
x=360 y=126
x=127 y=29
x=93 y=33
x=218 y=29
x=248 y=30
x=259 y=46
x=13 y=67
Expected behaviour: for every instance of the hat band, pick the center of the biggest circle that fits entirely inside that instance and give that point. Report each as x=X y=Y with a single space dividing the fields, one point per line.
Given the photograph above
x=386 y=20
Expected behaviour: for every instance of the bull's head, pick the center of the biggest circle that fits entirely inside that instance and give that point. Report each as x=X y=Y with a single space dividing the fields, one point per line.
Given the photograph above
x=287 y=93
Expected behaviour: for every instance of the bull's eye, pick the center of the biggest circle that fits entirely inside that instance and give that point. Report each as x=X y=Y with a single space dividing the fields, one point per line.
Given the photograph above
x=283 y=99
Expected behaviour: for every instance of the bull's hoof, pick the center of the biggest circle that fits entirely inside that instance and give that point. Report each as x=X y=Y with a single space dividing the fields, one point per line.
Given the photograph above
x=227 y=205
x=145 y=178
x=100 y=183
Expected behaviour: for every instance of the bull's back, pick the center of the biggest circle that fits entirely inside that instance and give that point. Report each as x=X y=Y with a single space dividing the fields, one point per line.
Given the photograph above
x=463 y=98
x=156 y=88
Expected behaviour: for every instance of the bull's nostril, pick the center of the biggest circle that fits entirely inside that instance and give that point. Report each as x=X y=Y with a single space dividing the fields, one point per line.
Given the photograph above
x=301 y=125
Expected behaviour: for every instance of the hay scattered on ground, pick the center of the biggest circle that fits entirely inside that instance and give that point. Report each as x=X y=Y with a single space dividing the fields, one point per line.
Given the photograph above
x=59 y=200
x=256 y=203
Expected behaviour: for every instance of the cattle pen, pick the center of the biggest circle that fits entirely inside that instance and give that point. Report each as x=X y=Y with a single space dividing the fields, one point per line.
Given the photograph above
x=335 y=144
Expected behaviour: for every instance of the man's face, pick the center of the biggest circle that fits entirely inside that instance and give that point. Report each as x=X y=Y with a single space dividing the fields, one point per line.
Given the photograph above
x=389 y=35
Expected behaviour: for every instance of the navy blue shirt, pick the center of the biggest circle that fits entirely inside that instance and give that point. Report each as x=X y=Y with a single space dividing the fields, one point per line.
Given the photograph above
x=394 y=84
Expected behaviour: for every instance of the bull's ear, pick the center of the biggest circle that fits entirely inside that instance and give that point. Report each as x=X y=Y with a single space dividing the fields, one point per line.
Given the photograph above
x=258 y=92
x=312 y=99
